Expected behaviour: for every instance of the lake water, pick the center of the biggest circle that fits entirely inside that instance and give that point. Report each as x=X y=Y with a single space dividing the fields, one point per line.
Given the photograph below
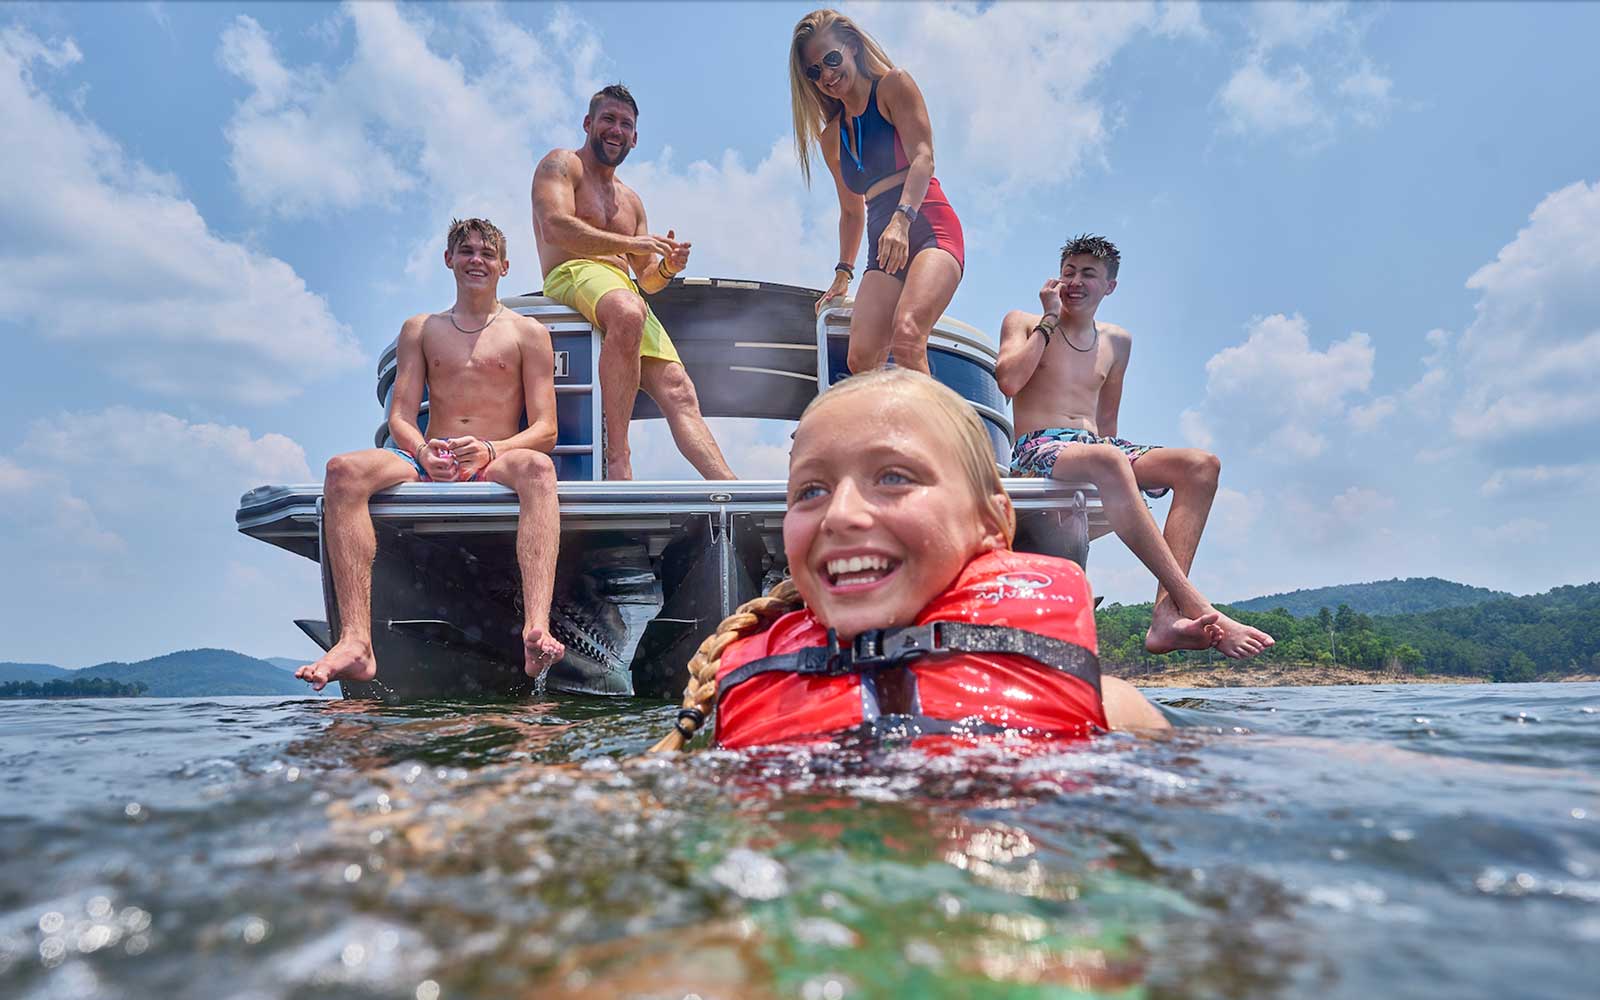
x=1420 y=841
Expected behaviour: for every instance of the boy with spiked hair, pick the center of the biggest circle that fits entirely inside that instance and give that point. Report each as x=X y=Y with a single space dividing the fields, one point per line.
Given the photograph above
x=1063 y=370
x=485 y=369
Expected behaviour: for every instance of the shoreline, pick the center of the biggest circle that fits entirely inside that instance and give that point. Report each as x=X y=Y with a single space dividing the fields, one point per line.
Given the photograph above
x=1285 y=676
x=1299 y=675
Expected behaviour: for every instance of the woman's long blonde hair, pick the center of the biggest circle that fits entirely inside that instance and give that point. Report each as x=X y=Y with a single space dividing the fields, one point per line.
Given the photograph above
x=972 y=450
x=813 y=109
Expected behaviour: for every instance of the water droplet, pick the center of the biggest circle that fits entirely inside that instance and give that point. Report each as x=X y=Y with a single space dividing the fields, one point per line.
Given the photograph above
x=137 y=945
x=352 y=873
x=1579 y=814
x=1524 y=880
x=52 y=922
x=1402 y=835
x=375 y=837
x=427 y=990
x=353 y=955
x=132 y=810
x=52 y=951
x=255 y=930
x=293 y=774
x=99 y=908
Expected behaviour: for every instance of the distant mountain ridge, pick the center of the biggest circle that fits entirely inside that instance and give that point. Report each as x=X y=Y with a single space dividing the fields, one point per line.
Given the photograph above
x=37 y=672
x=1413 y=595
x=188 y=673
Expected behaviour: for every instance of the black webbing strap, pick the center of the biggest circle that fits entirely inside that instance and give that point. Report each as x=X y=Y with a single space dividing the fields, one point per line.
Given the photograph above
x=882 y=648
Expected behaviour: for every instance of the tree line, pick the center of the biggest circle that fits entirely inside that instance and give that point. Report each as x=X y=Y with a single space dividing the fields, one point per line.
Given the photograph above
x=1516 y=639
x=75 y=687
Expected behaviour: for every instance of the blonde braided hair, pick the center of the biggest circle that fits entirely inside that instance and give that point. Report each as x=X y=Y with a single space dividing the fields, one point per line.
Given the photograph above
x=755 y=615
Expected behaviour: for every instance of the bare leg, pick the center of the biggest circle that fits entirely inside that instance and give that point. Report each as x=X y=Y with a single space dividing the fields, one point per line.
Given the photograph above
x=669 y=385
x=930 y=284
x=350 y=483
x=533 y=476
x=872 y=321
x=1106 y=467
x=620 y=315
x=1192 y=474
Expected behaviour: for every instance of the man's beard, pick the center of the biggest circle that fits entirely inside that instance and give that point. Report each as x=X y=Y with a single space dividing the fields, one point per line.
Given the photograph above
x=598 y=148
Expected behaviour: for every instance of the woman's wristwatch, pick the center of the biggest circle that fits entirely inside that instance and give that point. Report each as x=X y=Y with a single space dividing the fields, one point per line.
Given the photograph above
x=907 y=211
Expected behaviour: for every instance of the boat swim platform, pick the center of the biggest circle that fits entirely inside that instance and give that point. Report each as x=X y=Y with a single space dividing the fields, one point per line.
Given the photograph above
x=682 y=554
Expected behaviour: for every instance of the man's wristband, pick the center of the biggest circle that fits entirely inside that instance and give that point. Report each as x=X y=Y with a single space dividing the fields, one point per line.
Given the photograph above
x=661 y=269
x=848 y=269
x=492 y=455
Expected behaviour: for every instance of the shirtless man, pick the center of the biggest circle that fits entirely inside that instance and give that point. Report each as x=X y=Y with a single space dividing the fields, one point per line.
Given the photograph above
x=484 y=367
x=1064 y=372
x=591 y=228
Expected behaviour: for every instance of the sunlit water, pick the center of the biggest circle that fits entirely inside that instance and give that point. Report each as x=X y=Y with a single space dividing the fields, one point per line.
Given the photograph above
x=1377 y=842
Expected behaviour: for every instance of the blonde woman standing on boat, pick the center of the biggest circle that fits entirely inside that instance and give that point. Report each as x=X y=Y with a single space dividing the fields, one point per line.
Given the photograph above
x=871 y=123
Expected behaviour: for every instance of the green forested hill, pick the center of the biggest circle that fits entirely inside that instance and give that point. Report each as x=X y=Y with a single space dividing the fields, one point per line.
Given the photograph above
x=1513 y=639
x=197 y=672
x=1380 y=597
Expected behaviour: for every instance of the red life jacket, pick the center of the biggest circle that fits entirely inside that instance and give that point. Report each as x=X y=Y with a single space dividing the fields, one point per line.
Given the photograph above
x=1009 y=646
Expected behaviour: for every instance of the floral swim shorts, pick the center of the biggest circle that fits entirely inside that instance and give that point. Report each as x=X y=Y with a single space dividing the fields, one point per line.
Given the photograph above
x=1036 y=451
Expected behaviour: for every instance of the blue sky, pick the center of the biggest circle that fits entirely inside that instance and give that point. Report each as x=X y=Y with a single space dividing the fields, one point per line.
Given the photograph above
x=1361 y=261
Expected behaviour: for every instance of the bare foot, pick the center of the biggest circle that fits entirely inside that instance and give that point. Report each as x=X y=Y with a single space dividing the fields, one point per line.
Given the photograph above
x=1240 y=641
x=348 y=660
x=540 y=650
x=1169 y=630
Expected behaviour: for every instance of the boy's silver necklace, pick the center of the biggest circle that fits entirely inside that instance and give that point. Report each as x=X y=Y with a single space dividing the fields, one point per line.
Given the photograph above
x=491 y=319
x=1075 y=347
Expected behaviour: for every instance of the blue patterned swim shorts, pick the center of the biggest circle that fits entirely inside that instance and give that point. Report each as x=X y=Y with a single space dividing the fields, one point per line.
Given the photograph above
x=1035 y=452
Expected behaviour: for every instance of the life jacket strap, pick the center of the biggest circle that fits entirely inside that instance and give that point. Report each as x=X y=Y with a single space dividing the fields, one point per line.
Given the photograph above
x=879 y=649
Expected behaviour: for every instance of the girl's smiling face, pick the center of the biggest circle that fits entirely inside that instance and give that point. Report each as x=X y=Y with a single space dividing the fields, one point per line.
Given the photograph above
x=881 y=515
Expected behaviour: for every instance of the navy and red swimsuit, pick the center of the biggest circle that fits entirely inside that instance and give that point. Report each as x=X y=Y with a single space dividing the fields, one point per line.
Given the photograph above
x=869 y=151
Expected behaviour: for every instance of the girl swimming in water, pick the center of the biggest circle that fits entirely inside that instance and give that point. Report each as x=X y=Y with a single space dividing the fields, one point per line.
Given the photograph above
x=906 y=606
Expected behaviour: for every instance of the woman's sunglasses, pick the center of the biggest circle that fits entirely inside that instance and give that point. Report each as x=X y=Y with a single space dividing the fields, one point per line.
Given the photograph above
x=832 y=60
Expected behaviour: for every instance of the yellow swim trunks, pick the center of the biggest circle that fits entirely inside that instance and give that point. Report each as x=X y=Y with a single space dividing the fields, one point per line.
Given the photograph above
x=582 y=283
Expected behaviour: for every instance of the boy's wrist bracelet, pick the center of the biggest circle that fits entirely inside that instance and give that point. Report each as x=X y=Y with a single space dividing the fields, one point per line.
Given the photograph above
x=1041 y=328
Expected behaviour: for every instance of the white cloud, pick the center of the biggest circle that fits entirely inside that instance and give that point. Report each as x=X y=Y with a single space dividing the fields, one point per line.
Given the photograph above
x=1330 y=79
x=396 y=118
x=1358 y=503
x=719 y=206
x=131 y=267
x=130 y=513
x=1180 y=19
x=1260 y=101
x=1277 y=24
x=1061 y=50
x=1528 y=361
x=157 y=454
x=1513 y=534
x=1523 y=482
x=1276 y=394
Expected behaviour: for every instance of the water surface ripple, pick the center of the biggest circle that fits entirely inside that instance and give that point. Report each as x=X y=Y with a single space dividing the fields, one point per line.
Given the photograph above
x=1413 y=841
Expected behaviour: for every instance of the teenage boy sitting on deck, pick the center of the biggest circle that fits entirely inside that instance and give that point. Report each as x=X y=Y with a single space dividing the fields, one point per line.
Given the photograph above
x=1063 y=372
x=484 y=367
